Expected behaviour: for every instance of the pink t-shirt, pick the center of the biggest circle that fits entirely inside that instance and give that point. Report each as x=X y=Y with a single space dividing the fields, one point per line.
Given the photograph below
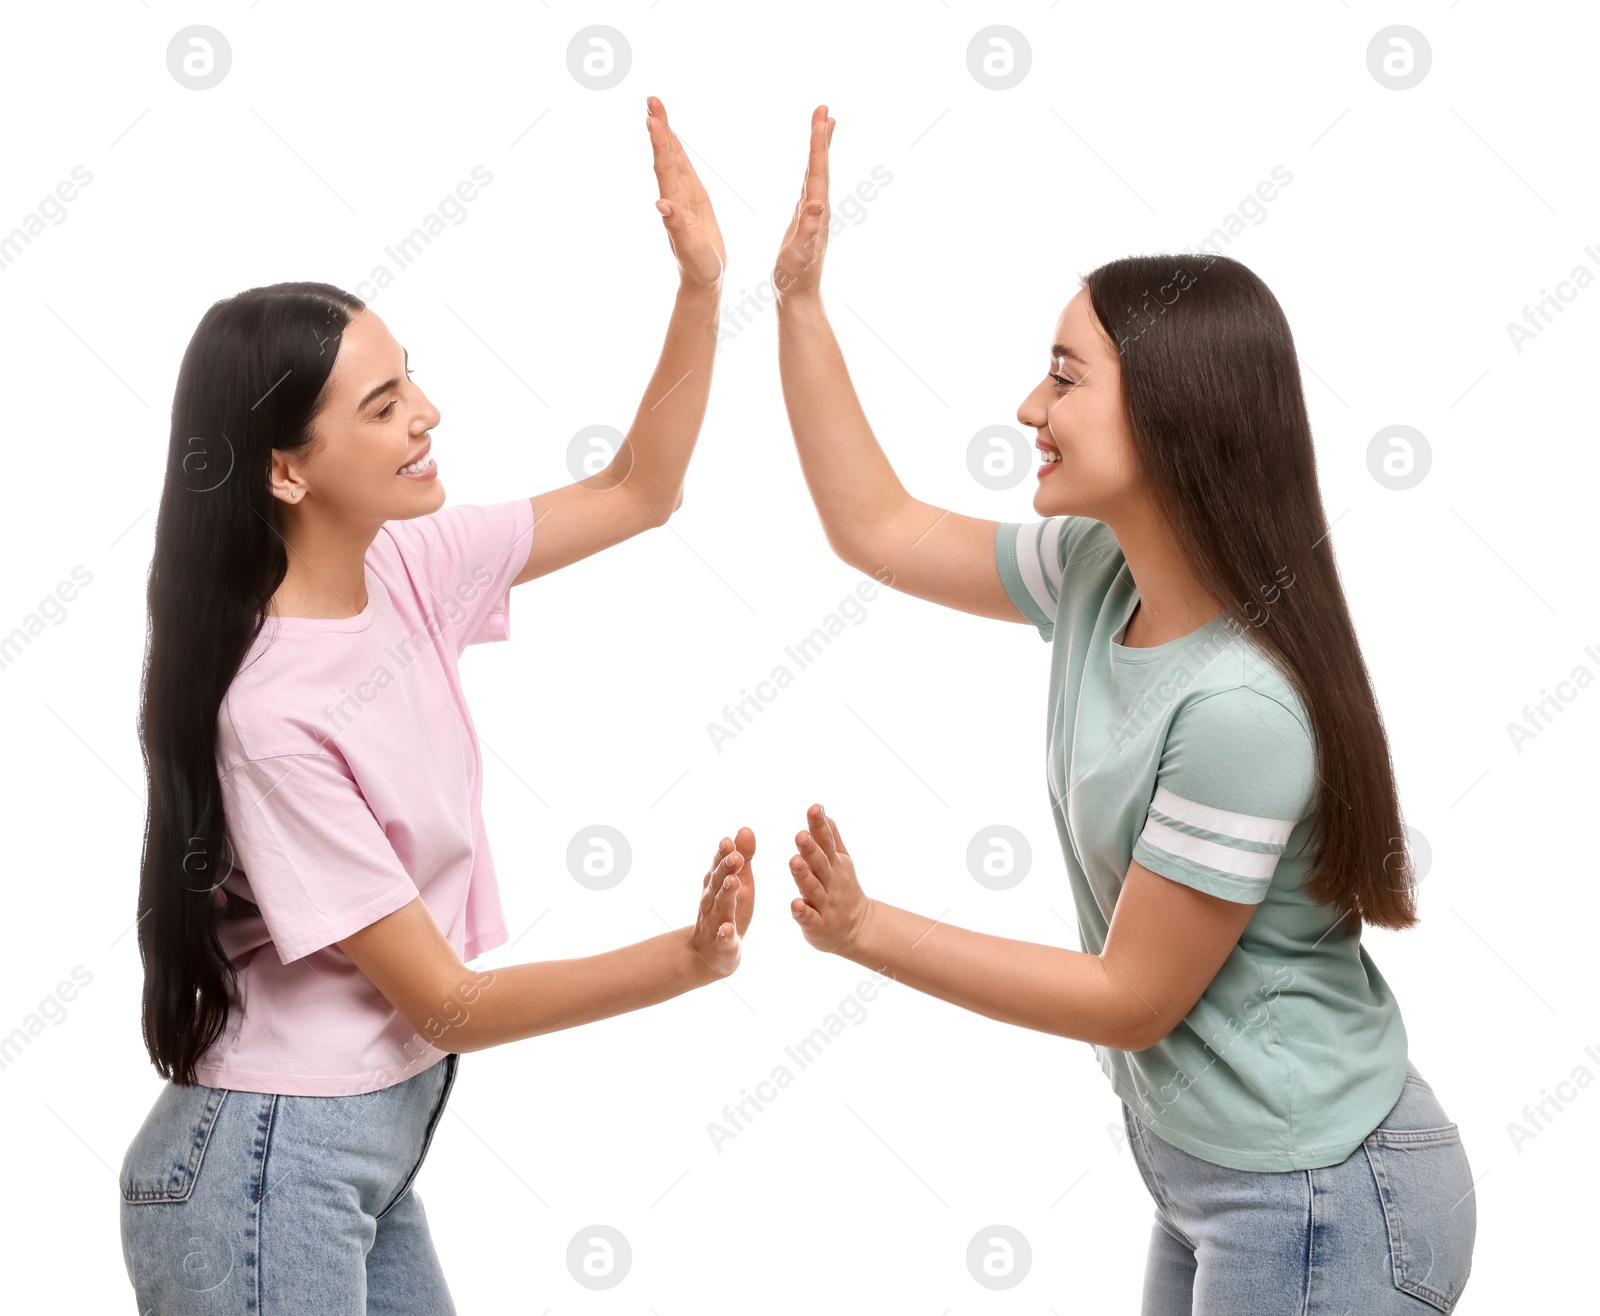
x=351 y=782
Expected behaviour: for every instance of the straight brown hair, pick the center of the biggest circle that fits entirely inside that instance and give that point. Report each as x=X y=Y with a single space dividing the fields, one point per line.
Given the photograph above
x=1211 y=384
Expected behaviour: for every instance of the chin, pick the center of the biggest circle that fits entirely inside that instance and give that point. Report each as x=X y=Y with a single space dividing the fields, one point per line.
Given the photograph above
x=431 y=500
x=1055 y=504
x=1046 y=503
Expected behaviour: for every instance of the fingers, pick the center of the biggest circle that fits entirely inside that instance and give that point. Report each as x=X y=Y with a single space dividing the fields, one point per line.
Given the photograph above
x=812 y=856
x=838 y=839
x=724 y=903
x=680 y=185
x=670 y=163
x=716 y=879
x=817 y=164
x=723 y=909
x=822 y=832
x=807 y=236
x=660 y=146
x=806 y=880
x=745 y=843
x=694 y=190
x=723 y=847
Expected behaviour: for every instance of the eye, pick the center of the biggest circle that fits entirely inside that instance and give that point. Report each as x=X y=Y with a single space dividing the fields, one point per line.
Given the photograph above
x=1062 y=380
x=395 y=402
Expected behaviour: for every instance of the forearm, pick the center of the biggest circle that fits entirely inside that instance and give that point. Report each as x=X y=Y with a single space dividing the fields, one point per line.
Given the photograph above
x=661 y=439
x=1049 y=988
x=850 y=479
x=524 y=1000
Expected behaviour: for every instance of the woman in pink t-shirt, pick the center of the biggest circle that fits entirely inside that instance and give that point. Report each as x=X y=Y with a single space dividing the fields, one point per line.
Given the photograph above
x=316 y=870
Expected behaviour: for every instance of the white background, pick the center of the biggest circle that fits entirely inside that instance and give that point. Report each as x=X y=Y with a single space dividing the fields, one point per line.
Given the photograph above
x=1418 y=224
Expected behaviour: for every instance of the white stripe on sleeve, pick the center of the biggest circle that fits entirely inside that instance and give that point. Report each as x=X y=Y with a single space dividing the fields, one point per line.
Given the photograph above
x=1245 y=826
x=1039 y=562
x=1209 y=854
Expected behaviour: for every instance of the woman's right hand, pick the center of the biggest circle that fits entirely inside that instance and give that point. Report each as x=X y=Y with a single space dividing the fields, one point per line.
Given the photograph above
x=727 y=899
x=692 y=225
x=798 y=270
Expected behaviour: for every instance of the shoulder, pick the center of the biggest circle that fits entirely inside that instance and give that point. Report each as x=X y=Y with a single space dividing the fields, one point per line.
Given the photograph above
x=1044 y=564
x=477 y=529
x=1238 y=677
x=1054 y=541
x=264 y=713
x=1093 y=545
x=1250 y=741
x=1245 y=711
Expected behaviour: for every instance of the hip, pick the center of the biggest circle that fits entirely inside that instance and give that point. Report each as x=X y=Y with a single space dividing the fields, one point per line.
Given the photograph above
x=219 y=1185
x=1398 y=1214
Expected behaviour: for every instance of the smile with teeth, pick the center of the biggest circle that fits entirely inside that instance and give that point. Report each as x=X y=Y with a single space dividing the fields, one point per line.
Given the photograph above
x=1050 y=454
x=421 y=464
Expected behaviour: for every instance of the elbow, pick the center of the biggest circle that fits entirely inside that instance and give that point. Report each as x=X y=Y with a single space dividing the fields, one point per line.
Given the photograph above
x=457 y=1022
x=1143 y=1030
x=852 y=553
x=653 y=513
x=1126 y=1013
x=860 y=541
x=446 y=1033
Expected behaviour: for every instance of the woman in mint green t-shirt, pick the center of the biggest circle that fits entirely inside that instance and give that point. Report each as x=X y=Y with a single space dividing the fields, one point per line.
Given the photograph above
x=1218 y=775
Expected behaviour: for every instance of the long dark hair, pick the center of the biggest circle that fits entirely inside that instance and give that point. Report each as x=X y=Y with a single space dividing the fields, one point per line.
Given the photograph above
x=1212 y=388
x=251 y=381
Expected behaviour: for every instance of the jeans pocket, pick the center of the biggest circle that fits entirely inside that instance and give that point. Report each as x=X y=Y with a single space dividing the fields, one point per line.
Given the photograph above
x=1429 y=1209
x=163 y=1160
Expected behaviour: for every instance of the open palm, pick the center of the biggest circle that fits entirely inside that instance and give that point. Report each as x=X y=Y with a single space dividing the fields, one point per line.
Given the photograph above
x=692 y=225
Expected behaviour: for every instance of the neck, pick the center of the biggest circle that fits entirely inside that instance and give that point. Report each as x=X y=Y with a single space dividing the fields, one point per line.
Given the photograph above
x=326 y=577
x=1172 y=601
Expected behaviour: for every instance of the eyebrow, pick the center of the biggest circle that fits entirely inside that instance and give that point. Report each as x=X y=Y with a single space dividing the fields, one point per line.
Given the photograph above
x=1061 y=349
x=383 y=387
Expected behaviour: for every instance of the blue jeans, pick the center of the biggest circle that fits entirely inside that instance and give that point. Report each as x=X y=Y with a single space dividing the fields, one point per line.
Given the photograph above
x=1389 y=1229
x=279 y=1205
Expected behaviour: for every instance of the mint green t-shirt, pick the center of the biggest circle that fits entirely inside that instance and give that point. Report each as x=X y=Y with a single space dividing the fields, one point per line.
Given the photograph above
x=1195 y=758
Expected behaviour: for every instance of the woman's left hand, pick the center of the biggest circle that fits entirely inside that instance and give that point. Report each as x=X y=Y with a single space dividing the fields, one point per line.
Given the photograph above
x=691 y=226
x=831 y=909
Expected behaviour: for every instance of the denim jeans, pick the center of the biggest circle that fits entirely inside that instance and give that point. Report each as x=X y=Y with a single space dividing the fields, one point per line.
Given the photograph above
x=1389 y=1229
x=280 y=1205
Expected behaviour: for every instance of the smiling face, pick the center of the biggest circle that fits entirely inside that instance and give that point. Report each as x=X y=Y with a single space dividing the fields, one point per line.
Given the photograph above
x=1077 y=412
x=374 y=421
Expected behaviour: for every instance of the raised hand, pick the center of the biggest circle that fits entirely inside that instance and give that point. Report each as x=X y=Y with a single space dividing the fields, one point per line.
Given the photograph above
x=691 y=225
x=798 y=269
x=831 y=908
x=745 y=843
x=727 y=899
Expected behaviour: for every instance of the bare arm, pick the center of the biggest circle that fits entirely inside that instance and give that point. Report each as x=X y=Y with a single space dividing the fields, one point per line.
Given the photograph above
x=461 y=1009
x=1165 y=944
x=870 y=520
x=643 y=483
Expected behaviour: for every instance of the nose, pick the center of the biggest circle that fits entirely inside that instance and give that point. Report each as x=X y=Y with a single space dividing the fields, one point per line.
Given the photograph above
x=1032 y=411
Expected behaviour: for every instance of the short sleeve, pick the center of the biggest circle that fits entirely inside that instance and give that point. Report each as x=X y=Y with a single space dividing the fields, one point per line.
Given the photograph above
x=462 y=560
x=318 y=864
x=1237 y=773
x=1032 y=559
